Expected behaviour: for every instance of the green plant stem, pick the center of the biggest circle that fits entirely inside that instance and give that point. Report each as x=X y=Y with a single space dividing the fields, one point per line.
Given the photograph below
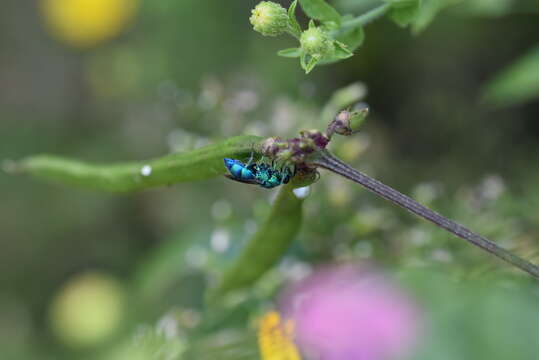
x=366 y=18
x=325 y=159
x=198 y=164
x=267 y=245
x=293 y=33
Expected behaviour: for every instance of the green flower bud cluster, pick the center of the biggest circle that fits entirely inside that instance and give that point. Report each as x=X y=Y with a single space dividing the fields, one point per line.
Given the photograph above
x=269 y=18
x=321 y=44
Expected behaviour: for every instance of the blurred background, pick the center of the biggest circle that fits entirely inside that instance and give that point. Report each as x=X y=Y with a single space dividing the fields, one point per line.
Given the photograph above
x=453 y=122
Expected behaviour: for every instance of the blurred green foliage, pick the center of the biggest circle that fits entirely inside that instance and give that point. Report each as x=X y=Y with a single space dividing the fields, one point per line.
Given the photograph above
x=185 y=74
x=518 y=83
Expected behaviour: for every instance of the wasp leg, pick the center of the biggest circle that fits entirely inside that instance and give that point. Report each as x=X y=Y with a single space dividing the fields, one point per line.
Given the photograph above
x=250 y=159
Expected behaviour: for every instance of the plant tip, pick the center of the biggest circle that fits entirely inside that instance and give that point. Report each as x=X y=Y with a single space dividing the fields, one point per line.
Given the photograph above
x=10 y=167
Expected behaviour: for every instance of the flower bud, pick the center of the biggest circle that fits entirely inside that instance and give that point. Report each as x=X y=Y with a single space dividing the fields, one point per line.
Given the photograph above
x=272 y=146
x=358 y=116
x=348 y=122
x=316 y=42
x=319 y=139
x=269 y=18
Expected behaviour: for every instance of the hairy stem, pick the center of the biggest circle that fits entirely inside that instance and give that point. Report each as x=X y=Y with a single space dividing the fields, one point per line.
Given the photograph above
x=368 y=17
x=198 y=164
x=326 y=160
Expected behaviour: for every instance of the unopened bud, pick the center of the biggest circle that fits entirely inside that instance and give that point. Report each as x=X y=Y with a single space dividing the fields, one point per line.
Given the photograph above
x=358 y=116
x=348 y=122
x=316 y=42
x=269 y=18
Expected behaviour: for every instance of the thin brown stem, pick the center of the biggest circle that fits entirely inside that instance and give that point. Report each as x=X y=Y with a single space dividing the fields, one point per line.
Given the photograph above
x=325 y=159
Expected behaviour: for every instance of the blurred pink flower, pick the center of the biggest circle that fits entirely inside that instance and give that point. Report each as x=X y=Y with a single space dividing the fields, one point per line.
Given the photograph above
x=351 y=313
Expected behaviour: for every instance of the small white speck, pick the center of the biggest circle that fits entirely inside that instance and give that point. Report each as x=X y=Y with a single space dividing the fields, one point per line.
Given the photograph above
x=294 y=270
x=221 y=210
x=196 y=256
x=168 y=326
x=418 y=236
x=492 y=187
x=146 y=170
x=220 y=240
x=302 y=192
x=179 y=140
x=441 y=256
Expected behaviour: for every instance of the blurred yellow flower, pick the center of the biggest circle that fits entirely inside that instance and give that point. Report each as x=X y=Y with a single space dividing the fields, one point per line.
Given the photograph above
x=87 y=310
x=86 y=23
x=275 y=338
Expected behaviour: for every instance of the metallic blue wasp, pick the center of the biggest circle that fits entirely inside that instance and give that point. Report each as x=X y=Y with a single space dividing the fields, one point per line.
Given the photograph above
x=258 y=173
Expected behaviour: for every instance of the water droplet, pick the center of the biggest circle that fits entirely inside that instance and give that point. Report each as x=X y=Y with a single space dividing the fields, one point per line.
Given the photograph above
x=220 y=240
x=146 y=170
x=302 y=192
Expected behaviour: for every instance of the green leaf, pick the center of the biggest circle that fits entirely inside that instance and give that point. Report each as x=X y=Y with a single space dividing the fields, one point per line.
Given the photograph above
x=292 y=21
x=349 y=22
x=516 y=84
x=290 y=52
x=494 y=315
x=267 y=246
x=341 y=52
x=417 y=13
x=352 y=38
x=347 y=41
x=491 y=8
x=199 y=164
x=404 y=12
x=320 y=10
x=428 y=11
x=163 y=268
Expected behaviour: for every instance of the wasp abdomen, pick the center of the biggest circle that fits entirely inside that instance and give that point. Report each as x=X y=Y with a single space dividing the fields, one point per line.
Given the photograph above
x=239 y=170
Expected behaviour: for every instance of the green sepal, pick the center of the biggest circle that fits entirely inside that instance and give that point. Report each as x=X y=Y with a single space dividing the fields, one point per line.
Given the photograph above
x=308 y=62
x=342 y=51
x=293 y=24
x=303 y=61
x=290 y=52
